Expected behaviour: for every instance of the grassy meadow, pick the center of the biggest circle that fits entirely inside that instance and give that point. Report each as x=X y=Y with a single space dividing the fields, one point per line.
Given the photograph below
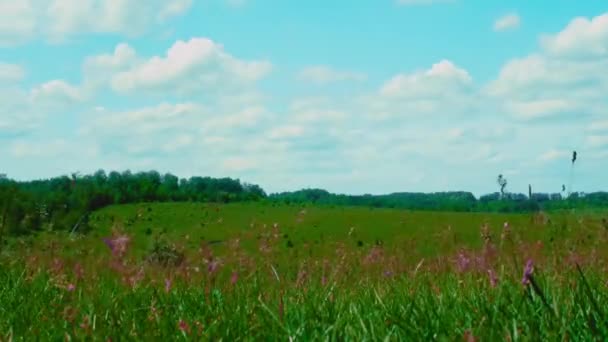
x=262 y=271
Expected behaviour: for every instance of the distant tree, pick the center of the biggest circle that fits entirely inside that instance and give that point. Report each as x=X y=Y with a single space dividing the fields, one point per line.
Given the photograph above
x=502 y=183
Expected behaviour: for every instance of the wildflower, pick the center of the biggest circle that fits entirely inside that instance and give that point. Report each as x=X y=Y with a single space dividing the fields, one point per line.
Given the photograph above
x=117 y=245
x=506 y=230
x=85 y=324
x=234 y=278
x=213 y=266
x=528 y=272
x=167 y=285
x=463 y=262
x=71 y=287
x=468 y=336
x=492 y=278
x=79 y=271
x=183 y=326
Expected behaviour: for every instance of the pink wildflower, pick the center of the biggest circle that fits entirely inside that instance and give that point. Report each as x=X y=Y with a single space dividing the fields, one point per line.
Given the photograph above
x=117 y=245
x=234 y=278
x=528 y=272
x=492 y=278
x=213 y=266
x=463 y=262
x=183 y=326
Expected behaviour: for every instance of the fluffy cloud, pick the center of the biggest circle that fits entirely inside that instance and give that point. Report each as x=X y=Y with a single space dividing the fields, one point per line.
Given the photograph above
x=60 y=19
x=441 y=77
x=11 y=73
x=56 y=93
x=507 y=22
x=322 y=74
x=24 y=110
x=17 y=21
x=99 y=70
x=187 y=67
x=237 y=164
x=564 y=79
x=554 y=154
x=598 y=126
x=442 y=91
x=583 y=37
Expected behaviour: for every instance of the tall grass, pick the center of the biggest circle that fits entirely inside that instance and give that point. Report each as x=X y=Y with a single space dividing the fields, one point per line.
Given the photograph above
x=254 y=286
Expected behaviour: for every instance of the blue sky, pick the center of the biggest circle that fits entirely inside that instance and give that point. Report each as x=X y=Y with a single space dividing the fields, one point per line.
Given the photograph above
x=351 y=96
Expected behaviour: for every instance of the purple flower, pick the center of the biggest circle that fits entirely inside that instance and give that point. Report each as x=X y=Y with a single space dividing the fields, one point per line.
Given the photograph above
x=528 y=272
x=167 y=285
x=213 y=266
x=117 y=245
x=493 y=278
x=463 y=262
x=234 y=278
x=71 y=287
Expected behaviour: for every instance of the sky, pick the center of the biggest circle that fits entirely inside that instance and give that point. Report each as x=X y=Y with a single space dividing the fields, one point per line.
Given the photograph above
x=354 y=96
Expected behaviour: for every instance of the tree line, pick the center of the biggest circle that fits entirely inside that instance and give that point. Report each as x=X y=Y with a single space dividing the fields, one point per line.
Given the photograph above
x=64 y=203
x=61 y=203
x=458 y=201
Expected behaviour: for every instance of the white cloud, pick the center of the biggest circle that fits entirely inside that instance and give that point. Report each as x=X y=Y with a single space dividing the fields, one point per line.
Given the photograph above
x=582 y=37
x=181 y=141
x=11 y=73
x=56 y=93
x=553 y=154
x=286 y=132
x=122 y=57
x=145 y=121
x=238 y=164
x=17 y=21
x=598 y=126
x=324 y=74
x=442 y=76
x=565 y=78
x=507 y=22
x=188 y=67
x=174 y=8
x=22 y=148
x=58 y=20
x=538 y=109
x=595 y=141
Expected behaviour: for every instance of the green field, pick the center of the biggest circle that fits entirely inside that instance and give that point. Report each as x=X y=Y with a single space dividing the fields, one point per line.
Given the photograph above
x=257 y=271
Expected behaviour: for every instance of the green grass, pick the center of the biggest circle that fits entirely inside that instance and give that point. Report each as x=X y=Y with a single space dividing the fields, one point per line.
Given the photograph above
x=413 y=276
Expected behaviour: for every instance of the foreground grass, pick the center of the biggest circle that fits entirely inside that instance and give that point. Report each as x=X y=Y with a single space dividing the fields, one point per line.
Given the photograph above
x=452 y=277
x=402 y=309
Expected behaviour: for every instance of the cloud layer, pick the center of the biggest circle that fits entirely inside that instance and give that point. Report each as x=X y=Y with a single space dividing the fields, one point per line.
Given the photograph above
x=199 y=108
